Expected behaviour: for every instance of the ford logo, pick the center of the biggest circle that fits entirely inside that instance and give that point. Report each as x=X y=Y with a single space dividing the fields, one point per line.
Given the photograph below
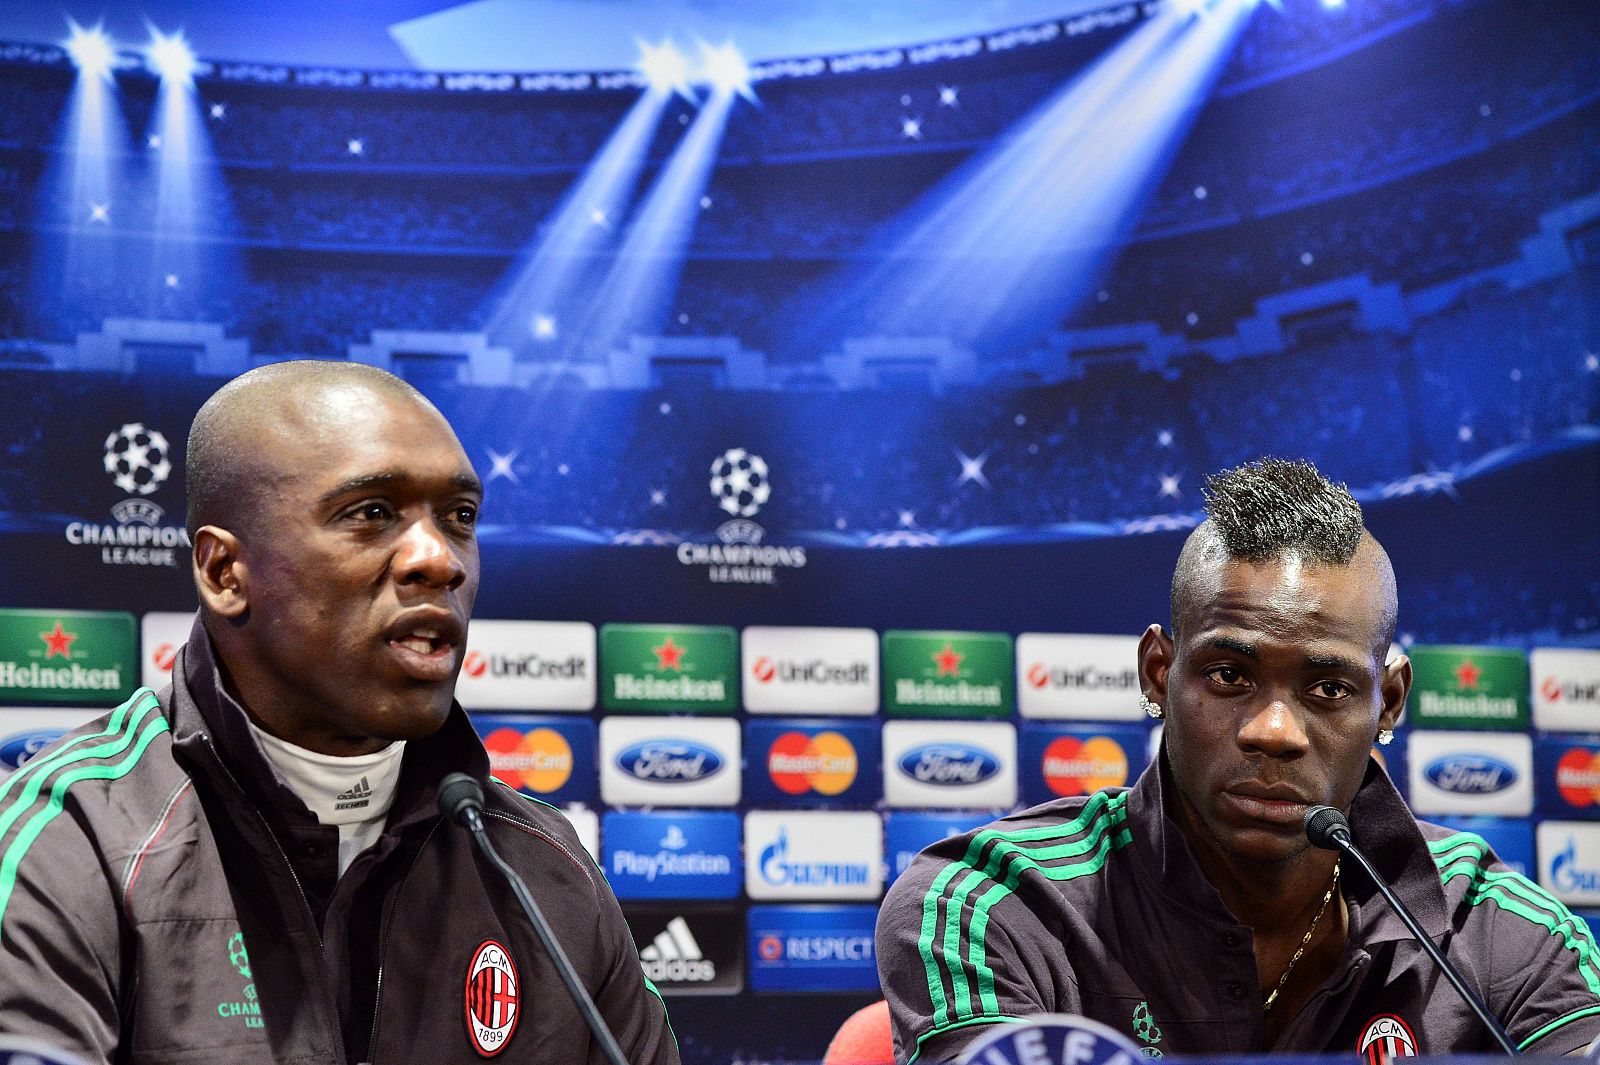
x=670 y=761
x=949 y=764
x=1470 y=774
x=15 y=750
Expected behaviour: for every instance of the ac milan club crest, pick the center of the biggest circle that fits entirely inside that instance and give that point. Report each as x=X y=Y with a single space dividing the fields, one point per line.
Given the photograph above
x=1386 y=1038
x=493 y=1004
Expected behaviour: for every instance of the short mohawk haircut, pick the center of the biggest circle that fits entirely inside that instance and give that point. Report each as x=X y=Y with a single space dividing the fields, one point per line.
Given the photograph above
x=1267 y=510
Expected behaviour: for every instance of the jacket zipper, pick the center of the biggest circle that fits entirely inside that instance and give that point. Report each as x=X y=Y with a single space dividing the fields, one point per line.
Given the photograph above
x=383 y=939
x=305 y=903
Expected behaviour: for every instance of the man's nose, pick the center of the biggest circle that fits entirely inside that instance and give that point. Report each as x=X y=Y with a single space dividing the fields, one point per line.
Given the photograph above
x=1274 y=728
x=427 y=555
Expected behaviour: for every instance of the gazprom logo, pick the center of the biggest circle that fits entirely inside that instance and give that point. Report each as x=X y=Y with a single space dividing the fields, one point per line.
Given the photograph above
x=669 y=761
x=16 y=750
x=1470 y=774
x=949 y=764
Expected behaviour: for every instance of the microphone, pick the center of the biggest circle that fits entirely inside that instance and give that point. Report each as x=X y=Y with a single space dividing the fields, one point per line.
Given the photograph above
x=461 y=801
x=1327 y=829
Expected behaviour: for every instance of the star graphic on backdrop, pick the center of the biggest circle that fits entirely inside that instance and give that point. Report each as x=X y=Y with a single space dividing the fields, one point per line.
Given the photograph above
x=947 y=95
x=1591 y=362
x=598 y=217
x=172 y=280
x=972 y=468
x=658 y=497
x=154 y=140
x=1164 y=438
x=100 y=212
x=1467 y=674
x=354 y=146
x=1169 y=484
x=500 y=465
x=948 y=659
x=911 y=128
x=58 y=642
x=544 y=327
x=668 y=656
x=908 y=518
x=218 y=110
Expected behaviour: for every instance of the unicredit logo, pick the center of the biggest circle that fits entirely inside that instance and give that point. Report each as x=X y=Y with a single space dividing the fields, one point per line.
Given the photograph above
x=1574 y=691
x=949 y=764
x=810 y=671
x=1083 y=678
x=164 y=655
x=1470 y=774
x=526 y=667
x=669 y=761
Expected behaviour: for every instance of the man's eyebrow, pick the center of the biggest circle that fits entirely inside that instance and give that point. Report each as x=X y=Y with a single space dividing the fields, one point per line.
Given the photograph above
x=1339 y=662
x=1228 y=643
x=464 y=482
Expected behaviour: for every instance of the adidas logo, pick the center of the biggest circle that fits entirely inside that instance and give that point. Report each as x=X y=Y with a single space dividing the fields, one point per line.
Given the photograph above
x=357 y=797
x=675 y=957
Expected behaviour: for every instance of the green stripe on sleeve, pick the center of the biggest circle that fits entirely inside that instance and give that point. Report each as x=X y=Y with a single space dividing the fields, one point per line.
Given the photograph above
x=66 y=752
x=940 y=1030
x=58 y=791
x=1559 y=1022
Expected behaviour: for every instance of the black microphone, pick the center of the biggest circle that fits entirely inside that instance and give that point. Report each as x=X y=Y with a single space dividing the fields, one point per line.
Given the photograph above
x=461 y=801
x=1327 y=828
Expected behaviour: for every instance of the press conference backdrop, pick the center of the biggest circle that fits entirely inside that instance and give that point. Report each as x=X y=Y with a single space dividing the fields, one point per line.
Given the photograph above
x=841 y=429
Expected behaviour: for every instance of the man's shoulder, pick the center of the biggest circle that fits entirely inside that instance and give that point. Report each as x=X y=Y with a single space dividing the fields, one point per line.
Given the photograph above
x=120 y=761
x=559 y=839
x=1472 y=874
x=1060 y=841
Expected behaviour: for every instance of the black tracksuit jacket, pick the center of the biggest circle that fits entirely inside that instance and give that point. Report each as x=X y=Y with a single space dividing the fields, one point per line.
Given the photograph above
x=165 y=899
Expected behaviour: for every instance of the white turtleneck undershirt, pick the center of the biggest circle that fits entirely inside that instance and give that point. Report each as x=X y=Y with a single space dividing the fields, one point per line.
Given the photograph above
x=352 y=793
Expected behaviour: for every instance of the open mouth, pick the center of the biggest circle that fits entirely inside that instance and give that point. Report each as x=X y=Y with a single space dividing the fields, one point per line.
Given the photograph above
x=426 y=651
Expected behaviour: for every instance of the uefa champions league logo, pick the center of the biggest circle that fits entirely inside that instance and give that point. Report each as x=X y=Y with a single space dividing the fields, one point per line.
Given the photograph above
x=739 y=482
x=136 y=458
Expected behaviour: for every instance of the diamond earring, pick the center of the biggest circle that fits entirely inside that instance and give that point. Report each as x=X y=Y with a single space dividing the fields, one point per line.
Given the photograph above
x=1385 y=736
x=1150 y=707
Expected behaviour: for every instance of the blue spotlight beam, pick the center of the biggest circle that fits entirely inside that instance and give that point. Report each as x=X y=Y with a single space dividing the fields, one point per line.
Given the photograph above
x=1011 y=242
x=536 y=306
x=636 y=295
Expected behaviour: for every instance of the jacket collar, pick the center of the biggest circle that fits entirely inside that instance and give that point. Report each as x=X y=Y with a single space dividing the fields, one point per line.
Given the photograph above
x=202 y=713
x=1380 y=823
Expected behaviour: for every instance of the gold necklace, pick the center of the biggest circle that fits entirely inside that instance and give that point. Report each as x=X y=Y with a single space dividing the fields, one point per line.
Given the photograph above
x=1266 y=1007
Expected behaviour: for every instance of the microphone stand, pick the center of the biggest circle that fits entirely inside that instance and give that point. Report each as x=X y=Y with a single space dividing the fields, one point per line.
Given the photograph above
x=462 y=805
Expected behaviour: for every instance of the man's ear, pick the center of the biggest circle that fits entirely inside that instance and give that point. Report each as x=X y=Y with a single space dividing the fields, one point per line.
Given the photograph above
x=220 y=573
x=1155 y=661
x=1394 y=685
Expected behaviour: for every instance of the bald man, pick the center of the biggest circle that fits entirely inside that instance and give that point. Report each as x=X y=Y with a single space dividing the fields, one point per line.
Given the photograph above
x=1190 y=911
x=248 y=866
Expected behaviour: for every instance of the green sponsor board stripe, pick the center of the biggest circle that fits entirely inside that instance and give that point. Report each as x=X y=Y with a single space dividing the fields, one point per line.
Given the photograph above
x=1099 y=813
x=139 y=737
x=69 y=751
x=1516 y=894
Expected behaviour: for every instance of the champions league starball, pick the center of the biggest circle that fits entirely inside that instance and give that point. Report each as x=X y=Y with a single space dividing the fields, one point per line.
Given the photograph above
x=739 y=482
x=136 y=458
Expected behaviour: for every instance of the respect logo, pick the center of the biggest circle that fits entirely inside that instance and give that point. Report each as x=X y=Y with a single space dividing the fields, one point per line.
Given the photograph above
x=1578 y=777
x=824 y=762
x=538 y=760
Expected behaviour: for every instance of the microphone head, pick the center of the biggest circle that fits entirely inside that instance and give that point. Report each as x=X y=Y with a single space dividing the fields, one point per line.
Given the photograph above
x=1325 y=826
x=458 y=793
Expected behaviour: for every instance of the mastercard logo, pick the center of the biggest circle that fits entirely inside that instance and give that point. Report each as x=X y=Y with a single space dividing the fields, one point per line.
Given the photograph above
x=1077 y=767
x=539 y=760
x=1578 y=777
x=800 y=762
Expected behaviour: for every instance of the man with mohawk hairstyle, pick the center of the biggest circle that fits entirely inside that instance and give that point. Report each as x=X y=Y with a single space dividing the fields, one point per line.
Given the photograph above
x=249 y=866
x=1191 y=911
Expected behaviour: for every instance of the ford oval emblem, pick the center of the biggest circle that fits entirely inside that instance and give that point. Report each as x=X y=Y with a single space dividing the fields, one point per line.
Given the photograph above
x=15 y=750
x=949 y=765
x=1470 y=774
x=669 y=761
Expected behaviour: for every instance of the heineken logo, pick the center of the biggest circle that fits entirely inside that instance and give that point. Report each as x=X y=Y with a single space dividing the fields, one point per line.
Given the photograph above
x=962 y=673
x=649 y=667
x=1470 y=687
x=66 y=656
